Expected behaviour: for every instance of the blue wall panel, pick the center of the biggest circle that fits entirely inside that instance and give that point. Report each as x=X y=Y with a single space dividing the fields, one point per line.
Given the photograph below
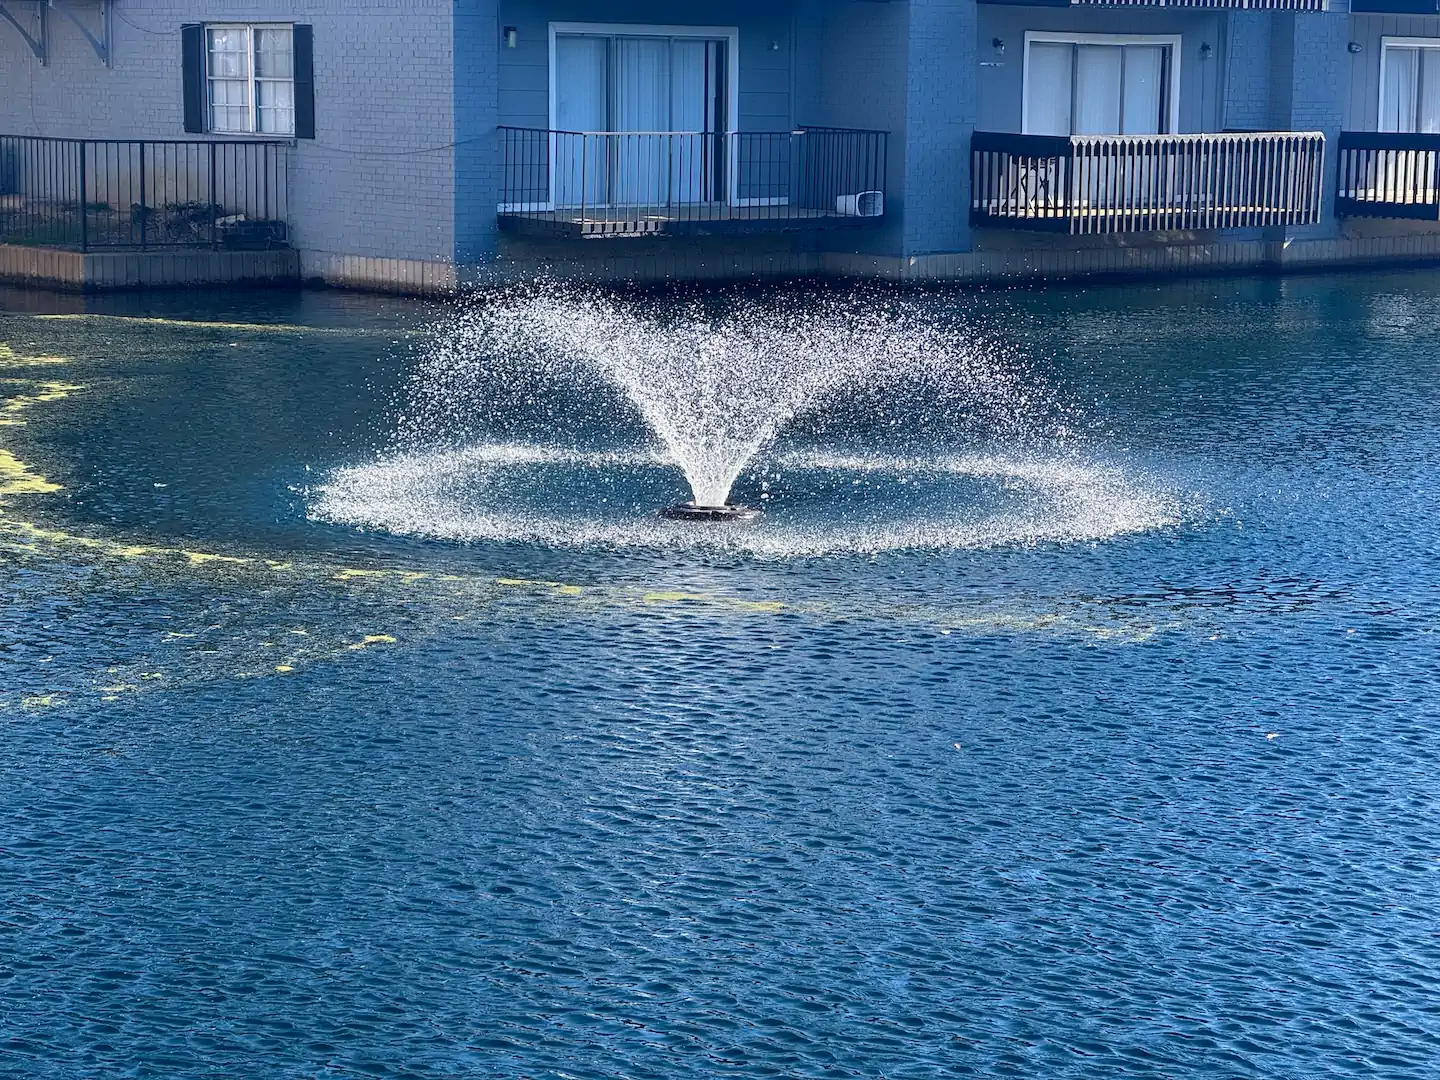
x=477 y=151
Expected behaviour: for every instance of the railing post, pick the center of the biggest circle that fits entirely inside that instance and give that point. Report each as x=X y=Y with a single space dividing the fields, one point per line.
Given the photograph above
x=144 y=209
x=210 y=212
x=84 y=216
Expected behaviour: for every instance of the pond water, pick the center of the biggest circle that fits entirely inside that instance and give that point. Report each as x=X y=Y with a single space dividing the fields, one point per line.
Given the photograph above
x=360 y=718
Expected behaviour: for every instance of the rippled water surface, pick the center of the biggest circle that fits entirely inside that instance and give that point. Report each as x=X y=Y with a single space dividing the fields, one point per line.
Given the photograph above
x=1093 y=740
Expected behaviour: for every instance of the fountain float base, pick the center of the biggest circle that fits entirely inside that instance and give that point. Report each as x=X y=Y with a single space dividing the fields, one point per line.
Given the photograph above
x=690 y=512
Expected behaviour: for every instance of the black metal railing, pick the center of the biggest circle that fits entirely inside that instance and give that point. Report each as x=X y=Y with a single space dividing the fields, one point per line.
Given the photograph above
x=1389 y=175
x=627 y=183
x=129 y=193
x=1082 y=184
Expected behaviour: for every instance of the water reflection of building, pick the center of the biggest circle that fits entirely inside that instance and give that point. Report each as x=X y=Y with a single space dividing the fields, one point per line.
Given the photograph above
x=431 y=143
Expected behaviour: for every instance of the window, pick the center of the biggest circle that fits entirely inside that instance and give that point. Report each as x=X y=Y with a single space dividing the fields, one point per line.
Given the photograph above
x=250 y=79
x=1410 y=85
x=1099 y=85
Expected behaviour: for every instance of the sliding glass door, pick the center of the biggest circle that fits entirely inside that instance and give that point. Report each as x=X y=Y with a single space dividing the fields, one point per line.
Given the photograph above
x=640 y=119
x=1078 y=88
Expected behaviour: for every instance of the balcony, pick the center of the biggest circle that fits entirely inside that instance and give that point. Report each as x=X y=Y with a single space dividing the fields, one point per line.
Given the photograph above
x=1098 y=184
x=1385 y=174
x=138 y=195
x=596 y=185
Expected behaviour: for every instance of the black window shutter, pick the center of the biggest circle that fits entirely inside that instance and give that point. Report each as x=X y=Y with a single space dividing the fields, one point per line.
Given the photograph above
x=192 y=42
x=304 y=45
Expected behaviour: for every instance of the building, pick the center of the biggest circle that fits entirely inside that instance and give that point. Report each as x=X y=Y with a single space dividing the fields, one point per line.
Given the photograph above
x=426 y=144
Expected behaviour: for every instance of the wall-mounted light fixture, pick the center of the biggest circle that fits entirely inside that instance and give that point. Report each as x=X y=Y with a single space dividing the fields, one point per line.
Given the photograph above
x=1206 y=51
x=512 y=37
x=1355 y=47
x=774 y=46
x=998 y=45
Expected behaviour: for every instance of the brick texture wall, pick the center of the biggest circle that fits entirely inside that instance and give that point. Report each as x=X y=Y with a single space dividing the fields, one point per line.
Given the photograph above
x=379 y=177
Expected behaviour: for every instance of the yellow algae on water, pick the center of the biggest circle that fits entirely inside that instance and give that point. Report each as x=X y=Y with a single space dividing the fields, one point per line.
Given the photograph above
x=48 y=391
x=559 y=587
x=673 y=598
x=350 y=573
x=372 y=639
x=200 y=558
x=17 y=479
x=768 y=607
x=9 y=358
x=140 y=320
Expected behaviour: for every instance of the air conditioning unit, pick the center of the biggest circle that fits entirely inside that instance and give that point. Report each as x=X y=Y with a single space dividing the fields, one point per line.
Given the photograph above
x=863 y=204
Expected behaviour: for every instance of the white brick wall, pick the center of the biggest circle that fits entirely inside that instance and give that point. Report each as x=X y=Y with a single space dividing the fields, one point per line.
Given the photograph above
x=378 y=180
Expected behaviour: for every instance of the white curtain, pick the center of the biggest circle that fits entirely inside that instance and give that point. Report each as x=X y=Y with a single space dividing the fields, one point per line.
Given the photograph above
x=579 y=160
x=1048 y=88
x=1427 y=112
x=1074 y=89
x=1097 y=89
x=1143 y=93
x=690 y=113
x=634 y=89
x=642 y=103
x=1397 y=96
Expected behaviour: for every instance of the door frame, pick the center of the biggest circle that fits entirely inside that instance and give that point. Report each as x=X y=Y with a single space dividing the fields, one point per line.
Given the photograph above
x=729 y=34
x=1064 y=37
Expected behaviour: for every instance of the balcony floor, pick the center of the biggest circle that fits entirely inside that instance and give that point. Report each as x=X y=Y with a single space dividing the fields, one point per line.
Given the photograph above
x=1099 y=219
x=690 y=219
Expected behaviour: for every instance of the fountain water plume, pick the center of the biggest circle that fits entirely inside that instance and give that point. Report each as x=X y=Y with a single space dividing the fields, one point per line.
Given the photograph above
x=713 y=389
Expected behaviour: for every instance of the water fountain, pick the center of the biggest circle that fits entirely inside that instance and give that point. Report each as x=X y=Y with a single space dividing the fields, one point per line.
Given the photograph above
x=509 y=427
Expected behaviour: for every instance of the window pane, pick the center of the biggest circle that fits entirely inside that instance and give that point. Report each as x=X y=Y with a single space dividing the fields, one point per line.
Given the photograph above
x=229 y=53
x=1097 y=89
x=1144 y=94
x=1047 y=88
x=273 y=56
x=273 y=94
x=229 y=92
x=277 y=107
x=228 y=118
x=277 y=121
x=1397 y=96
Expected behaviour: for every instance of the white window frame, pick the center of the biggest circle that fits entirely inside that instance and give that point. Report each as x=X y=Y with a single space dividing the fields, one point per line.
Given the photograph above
x=729 y=34
x=253 y=104
x=1060 y=37
x=1386 y=43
